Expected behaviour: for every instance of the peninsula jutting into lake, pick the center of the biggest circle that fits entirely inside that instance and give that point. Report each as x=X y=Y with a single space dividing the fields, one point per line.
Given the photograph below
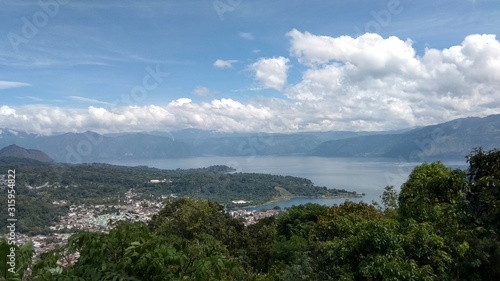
x=40 y=184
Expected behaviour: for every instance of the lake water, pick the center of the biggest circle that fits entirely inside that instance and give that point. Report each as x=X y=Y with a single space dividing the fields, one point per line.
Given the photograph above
x=363 y=175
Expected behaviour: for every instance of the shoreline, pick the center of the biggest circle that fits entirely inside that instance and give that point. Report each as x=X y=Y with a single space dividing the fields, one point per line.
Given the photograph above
x=286 y=198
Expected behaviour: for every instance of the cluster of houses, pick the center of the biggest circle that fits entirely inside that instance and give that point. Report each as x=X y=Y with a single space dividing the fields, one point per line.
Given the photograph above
x=100 y=218
x=252 y=216
x=96 y=218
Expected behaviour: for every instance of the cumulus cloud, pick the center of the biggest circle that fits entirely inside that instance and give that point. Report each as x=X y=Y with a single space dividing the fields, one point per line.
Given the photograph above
x=271 y=72
x=7 y=111
x=246 y=35
x=224 y=63
x=370 y=78
x=363 y=83
x=12 y=84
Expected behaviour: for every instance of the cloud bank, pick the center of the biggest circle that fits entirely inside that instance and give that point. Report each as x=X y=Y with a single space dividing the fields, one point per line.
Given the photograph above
x=363 y=83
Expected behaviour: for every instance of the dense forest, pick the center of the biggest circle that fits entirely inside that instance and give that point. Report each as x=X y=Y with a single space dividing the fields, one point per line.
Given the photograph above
x=443 y=225
x=38 y=185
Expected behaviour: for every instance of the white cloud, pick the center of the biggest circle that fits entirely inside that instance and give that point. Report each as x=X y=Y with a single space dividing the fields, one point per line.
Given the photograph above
x=224 y=63
x=223 y=114
x=271 y=72
x=201 y=91
x=12 y=84
x=382 y=80
x=247 y=35
x=180 y=102
x=369 y=51
x=7 y=111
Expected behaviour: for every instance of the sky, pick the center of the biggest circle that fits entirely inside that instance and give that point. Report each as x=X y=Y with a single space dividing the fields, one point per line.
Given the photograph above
x=246 y=65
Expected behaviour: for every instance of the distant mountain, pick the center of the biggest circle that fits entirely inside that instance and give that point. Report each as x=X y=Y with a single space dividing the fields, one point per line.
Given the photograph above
x=454 y=139
x=10 y=136
x=94 y=147
x=14 y=151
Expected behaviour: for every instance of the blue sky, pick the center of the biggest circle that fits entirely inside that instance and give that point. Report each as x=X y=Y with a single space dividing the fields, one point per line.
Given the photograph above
x=246 y=65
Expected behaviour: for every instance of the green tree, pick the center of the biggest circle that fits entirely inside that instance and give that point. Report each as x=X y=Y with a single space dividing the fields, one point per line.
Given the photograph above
x=430 y=191
x=293 y=244
x=189 y=218
x=390 y=198
x=484 y=195
x=356 y=242
x=327 y=227
x=433 y=198
x=482 y=214
x=131 y=252
x=299 y=220
x=257 y=245
x=14 y=266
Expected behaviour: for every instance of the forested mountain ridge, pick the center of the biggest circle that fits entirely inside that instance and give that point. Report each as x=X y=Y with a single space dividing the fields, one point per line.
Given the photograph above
x=14 y=151
x=447 y=140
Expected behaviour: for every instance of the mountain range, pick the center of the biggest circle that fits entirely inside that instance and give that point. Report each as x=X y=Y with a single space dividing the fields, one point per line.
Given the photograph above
x=453 y=139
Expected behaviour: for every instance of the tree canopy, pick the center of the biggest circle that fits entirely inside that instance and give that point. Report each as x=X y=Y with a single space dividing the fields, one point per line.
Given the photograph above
x=443 y=225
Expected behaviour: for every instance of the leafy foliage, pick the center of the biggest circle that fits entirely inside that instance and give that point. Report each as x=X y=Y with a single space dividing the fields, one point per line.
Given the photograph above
x=14 y=260
x=443 y=225
x=132 y=252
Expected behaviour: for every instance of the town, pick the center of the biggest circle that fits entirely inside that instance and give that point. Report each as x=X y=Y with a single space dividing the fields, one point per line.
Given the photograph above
x=101 y=218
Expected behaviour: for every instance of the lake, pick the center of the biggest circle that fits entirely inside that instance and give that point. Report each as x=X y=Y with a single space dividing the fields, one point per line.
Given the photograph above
x=363 y=175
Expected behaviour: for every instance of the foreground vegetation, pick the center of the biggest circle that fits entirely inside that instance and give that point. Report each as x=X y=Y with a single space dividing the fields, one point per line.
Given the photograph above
x=443 y=225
